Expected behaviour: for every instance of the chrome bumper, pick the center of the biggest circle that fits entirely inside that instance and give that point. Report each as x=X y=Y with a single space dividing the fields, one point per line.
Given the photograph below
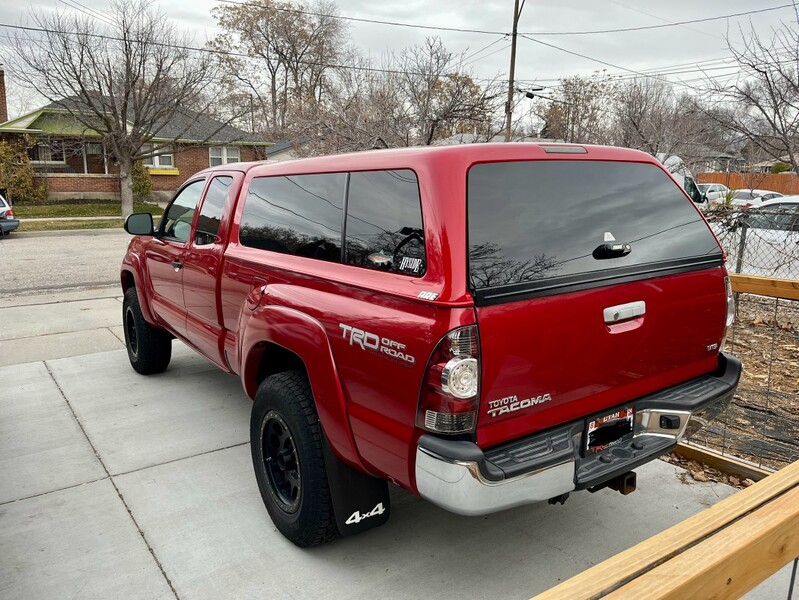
x=460 y=477
x=459 y=486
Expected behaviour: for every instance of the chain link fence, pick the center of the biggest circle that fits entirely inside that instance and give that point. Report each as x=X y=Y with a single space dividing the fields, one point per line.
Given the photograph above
x=759 y=241
x=762 y=422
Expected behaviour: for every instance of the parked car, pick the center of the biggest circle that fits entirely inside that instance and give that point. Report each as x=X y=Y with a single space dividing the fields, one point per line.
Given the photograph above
x=748 y=198
x=771 y=243
x=713 y=191
x=430 y=317
x=7 y=221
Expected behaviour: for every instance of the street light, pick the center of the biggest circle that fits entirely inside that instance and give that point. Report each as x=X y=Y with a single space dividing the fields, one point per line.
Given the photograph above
x=531 y=93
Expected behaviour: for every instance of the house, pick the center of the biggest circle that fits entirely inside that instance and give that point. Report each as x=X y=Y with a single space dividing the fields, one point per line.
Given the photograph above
x=75 y=164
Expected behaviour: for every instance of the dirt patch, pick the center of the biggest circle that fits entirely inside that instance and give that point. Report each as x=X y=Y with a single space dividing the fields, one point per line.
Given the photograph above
x=762 y=423
x=696 y=471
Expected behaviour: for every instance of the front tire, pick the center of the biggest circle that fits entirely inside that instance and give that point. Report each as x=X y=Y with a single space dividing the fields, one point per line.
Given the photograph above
x=287 y=453
x=149 y=348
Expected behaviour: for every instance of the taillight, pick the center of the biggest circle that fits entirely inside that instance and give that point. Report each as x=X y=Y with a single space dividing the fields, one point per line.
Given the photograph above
x=9 y=214
x=449 y=398
x=730 y=302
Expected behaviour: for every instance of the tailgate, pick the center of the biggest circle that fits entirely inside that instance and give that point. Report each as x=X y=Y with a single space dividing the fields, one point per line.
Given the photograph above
x=554 y=359
x=595 y=283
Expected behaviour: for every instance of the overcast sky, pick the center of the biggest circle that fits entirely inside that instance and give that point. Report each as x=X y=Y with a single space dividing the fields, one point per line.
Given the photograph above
x=651 y=49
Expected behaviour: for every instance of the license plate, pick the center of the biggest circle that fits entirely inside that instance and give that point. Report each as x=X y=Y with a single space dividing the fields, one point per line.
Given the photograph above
x=609 y=430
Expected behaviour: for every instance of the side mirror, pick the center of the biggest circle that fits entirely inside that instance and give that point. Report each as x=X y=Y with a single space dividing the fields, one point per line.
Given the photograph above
x=139 y=224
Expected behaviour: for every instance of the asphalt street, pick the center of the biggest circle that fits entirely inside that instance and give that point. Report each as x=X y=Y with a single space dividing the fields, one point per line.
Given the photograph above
x=116 y=485
x=54 y=261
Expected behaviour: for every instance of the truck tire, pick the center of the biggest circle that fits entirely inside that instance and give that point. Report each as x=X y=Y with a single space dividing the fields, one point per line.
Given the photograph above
x=288 y=457
x=149 y=348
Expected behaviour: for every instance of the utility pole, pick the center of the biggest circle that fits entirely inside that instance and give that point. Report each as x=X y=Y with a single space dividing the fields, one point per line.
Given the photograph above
x=517 y=12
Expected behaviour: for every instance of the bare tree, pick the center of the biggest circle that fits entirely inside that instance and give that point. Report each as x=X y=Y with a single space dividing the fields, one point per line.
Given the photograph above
x=127 y=80
x=763 y=102
x=650 y=116
x=416 y=97
x=580 y=110
x=281 y=53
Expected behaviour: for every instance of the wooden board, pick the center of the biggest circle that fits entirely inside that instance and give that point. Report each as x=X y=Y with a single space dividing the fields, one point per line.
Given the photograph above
x=729 y=563
x=724 y=463
x=765 y=286
x=627 y=566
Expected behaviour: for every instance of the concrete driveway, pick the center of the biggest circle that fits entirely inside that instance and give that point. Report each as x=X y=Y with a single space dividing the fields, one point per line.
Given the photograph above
x=115 y=485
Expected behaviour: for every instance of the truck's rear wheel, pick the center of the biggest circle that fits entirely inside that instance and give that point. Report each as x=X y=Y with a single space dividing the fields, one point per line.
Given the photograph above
x=287 y=454
x=149 y=348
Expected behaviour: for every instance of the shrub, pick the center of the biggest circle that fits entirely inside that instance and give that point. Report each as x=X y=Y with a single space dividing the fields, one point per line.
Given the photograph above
x=780 y=167
x=142 y=185
x=16 y=172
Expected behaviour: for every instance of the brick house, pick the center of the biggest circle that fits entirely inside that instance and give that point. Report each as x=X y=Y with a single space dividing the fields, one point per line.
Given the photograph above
x=75 y=164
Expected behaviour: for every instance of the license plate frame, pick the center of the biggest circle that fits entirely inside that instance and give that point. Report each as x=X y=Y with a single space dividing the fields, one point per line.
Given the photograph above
x=609 y=429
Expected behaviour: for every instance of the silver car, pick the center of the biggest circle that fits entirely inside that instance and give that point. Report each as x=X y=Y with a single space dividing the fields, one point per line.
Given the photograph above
x=7 y=221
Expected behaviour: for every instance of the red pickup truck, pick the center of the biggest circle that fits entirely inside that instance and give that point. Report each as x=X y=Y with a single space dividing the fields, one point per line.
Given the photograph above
x=484 y=325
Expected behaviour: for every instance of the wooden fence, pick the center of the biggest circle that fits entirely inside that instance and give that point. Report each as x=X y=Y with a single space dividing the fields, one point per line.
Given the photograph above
x=784 y=183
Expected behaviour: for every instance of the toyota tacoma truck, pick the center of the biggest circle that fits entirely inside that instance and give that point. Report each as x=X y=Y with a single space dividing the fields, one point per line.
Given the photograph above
x=485 y=325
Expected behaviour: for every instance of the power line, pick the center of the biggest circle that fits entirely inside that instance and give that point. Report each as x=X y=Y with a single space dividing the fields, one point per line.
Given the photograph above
x=487 y=32
x=670 y=24
x=101 y=36
x=311 y=13
x=661 y=19
x=73 y=4
x=596 y=60
x=486 y=47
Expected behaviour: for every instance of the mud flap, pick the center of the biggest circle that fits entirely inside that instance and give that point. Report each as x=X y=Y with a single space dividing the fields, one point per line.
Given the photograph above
x=360 y=501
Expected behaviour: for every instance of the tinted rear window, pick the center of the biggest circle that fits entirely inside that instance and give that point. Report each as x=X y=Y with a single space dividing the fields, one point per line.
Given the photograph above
x=538 y=221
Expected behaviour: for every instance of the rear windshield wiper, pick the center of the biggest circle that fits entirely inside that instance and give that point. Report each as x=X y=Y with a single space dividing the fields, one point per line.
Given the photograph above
x=611 y=250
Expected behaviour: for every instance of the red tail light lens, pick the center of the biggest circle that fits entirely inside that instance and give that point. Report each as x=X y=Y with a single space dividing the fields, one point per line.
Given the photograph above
x=449 y=397
x=10 y=214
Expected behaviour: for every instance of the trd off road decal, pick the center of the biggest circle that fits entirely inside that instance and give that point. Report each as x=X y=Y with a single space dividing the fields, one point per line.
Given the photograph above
x=371 y=342
x=511 y=404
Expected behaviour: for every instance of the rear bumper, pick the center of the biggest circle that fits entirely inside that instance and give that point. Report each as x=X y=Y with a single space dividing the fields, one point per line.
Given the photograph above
x=462 y=478
x=8 y=225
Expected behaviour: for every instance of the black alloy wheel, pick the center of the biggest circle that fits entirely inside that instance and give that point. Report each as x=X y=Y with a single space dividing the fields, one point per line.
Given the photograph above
x=281 y=462
x=130 y=331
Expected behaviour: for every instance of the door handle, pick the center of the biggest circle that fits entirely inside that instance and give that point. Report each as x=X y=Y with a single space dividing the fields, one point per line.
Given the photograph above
x=623 y=312
x=177 y=265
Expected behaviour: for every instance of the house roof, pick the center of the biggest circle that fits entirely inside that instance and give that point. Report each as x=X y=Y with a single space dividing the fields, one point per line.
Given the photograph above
x=278 y=147
x=186 y=125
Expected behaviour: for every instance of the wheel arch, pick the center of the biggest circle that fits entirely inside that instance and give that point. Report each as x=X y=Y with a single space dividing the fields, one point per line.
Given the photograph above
x=278 y=339
x=129 y=278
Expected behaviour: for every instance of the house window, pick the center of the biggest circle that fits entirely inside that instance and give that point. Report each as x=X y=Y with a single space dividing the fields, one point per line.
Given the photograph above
x=223 y=155
x=50 y=151
x=161 y=161
x=94 y=148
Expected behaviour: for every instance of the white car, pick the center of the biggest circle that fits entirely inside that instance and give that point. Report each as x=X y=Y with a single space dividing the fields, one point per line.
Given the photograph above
x=748 y=198
x=714 y=191
x=771 y=240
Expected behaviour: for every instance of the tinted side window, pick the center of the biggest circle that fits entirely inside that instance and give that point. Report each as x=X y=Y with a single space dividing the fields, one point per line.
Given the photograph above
x=176 y=224
x=384 y=222
x=211 y=211
x=298 y=215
